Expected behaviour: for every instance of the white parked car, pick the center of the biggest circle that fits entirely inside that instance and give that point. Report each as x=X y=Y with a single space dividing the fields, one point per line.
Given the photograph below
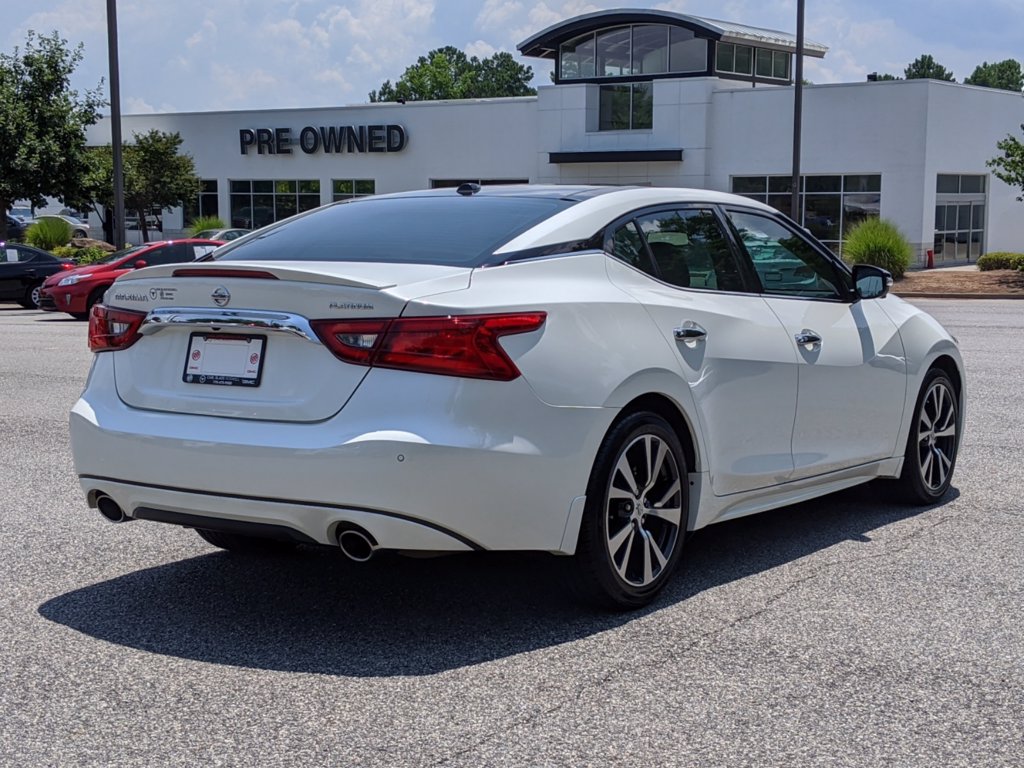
x=79 y=228
x=586 y=371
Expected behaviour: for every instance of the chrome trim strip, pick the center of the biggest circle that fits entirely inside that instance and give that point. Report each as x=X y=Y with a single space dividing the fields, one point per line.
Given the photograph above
x=230 y=319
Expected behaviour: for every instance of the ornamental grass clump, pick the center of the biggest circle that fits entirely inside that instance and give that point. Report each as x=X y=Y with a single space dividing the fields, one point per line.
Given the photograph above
x=1001 y=260
x=48 y=233
x=880 y=243
x=203 y=223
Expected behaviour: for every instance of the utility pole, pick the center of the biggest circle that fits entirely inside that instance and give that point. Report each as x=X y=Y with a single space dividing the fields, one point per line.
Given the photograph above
x=798 y=108
x=115 y=125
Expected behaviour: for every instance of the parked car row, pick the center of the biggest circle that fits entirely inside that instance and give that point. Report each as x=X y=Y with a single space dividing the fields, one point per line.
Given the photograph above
x=37 y=279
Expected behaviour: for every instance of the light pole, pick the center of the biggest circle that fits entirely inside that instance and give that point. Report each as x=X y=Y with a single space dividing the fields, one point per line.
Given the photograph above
x=798 y=107
x=115 y=125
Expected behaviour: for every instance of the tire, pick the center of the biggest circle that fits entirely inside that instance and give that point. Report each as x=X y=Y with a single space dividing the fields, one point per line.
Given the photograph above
x=79 y=233
x=248 y=545
x=94 y=298
x=31 y=298
x=933 y=442
x=637 y=494
x=79 y=315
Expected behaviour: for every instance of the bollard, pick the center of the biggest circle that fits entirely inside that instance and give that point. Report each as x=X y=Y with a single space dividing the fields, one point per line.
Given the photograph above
x=930 y=264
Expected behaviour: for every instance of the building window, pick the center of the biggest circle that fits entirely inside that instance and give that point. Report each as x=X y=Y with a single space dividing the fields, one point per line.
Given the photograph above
x=642 y=49
x=347 y=189
x=734 y=59
x=256 y=203
x=204 y=204
x=830 y=205
x=626 y=107
x=959 y=217
x=741 y=59
x=445 y=183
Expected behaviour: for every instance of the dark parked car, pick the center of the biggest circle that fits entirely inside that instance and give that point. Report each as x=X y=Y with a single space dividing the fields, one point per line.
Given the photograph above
x=23 y=270
x=15 y=228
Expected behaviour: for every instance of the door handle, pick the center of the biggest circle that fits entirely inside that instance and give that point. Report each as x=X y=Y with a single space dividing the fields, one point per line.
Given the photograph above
x=808 y=338
x=689 y=331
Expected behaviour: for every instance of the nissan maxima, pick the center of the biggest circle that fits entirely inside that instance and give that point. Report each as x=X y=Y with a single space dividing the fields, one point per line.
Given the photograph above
x=591 y=372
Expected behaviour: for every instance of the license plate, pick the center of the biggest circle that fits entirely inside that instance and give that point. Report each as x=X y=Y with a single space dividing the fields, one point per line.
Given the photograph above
x=225 y=360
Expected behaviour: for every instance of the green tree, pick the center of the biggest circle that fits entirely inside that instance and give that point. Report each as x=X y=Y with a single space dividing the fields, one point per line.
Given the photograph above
x=1009 y=166
x=447 y=73
x=886 y=76
x=157 y=175
x=1005 y=74
x=925 y=67
x=42 y=122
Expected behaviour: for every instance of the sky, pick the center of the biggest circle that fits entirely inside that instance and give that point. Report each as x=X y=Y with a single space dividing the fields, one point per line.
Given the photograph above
x=203 y=55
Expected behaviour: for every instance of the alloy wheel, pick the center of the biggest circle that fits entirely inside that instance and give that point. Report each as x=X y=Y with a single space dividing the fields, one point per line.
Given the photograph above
x=644 y=510
x=936 y=435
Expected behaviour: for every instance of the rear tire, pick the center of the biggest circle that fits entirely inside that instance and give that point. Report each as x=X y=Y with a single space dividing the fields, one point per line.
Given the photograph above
x=32 y=295
x=634 y=522
x=933 y=442
x=247 y=545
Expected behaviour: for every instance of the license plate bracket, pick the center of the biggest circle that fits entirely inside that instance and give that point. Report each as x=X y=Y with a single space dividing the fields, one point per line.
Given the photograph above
x=223 y=359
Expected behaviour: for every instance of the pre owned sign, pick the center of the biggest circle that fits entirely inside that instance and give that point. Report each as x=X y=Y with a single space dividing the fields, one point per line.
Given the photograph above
x=333 y=139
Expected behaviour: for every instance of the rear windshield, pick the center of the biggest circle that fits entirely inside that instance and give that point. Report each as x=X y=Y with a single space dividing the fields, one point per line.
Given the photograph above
x=454 y=230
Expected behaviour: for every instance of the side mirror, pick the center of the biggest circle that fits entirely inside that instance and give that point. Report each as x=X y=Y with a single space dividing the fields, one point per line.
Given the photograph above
x=140 y=263
x=871 y=282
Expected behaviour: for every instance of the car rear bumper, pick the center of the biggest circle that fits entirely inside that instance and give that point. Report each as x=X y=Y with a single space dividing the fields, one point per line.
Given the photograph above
x=460 y=465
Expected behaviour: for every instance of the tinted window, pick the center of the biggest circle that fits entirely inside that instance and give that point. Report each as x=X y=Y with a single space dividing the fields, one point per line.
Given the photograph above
x=690 y=250
x=451 y=229
x=787 y=264
x=628 y=246
x=168 y=254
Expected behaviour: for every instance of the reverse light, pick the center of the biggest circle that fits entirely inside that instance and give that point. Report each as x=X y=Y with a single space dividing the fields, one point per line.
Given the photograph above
x=113 y=329
x=453 y=345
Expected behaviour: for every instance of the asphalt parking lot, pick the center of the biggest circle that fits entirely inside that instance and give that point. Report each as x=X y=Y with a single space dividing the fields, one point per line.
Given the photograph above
x=842 y=632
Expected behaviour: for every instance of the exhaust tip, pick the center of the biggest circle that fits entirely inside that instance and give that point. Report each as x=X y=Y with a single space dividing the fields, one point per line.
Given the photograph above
x=110 y=509
x=356 y=545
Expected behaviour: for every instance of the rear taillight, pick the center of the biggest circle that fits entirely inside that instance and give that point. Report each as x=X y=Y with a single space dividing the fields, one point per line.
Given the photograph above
x=65 y=267
x=456 y=345
x=113 y=329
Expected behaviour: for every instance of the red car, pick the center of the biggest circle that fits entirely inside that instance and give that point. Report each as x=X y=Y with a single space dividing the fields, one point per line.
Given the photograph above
x=75 y=291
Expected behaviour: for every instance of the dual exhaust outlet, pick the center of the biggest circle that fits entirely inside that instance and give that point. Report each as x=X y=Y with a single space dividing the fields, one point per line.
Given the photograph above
x=354 y=543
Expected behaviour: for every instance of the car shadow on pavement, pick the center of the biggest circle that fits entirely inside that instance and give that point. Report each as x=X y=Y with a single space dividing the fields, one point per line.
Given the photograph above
x=317 y=612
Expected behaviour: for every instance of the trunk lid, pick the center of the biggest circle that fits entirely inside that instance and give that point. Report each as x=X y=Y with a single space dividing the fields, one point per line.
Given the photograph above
x=232 y=339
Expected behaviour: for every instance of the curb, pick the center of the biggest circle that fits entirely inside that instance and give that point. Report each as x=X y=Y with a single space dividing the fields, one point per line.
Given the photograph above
x=989 y=296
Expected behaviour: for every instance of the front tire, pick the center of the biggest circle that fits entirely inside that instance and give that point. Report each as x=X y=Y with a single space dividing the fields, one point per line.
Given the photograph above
x=245 y=545
x=634 y=522
x=933 y=442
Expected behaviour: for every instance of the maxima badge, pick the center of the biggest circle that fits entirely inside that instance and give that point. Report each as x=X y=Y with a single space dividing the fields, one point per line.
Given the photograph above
x=221 y=296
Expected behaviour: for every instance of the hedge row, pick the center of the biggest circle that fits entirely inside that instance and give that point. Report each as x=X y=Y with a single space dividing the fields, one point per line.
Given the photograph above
x=1001 y=260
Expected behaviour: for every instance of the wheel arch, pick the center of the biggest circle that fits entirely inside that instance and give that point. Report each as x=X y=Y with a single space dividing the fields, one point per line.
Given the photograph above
x=669 y=410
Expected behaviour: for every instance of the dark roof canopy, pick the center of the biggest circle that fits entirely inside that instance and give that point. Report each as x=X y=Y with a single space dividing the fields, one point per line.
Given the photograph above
x=545 y=43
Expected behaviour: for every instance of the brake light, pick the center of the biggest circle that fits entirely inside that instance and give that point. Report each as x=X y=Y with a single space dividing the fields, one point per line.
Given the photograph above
x=65 y=266
x=113 y=329
x=455 y=345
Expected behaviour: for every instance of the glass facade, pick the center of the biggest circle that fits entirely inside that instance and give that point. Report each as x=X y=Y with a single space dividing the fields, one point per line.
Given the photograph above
x=746 y=60
x=960 y=201
x=829 y=204
x=258 y=202
x=625 y=107
x=347 y=189
x=204 y=204
x=629 y=51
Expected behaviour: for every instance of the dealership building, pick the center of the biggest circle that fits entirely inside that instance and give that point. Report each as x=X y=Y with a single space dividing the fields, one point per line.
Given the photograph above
x=639 y=97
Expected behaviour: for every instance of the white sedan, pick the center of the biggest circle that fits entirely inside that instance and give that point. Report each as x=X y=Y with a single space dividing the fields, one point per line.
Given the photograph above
x=587 y=371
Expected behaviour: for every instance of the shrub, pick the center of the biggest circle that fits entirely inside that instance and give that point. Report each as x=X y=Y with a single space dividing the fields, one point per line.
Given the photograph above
x=48 y=233
x=205 y=222
x=1001 y=260
x=86 y=255
x=878 y=242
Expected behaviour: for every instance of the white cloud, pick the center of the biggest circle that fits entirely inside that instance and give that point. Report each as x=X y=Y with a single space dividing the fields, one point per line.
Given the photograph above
x=479 y=48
